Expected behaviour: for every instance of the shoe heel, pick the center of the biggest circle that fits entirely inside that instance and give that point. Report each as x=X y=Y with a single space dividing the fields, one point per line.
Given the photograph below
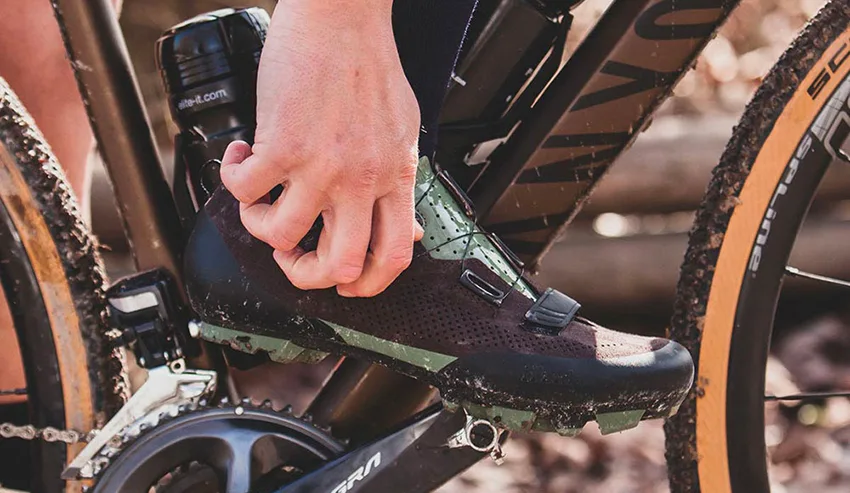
x=279 y=350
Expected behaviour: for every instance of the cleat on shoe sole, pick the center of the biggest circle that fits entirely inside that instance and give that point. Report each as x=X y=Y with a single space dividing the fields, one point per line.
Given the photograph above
x=618 y=421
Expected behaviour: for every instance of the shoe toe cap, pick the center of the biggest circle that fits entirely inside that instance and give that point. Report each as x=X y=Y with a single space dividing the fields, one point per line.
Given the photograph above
x=662 y=375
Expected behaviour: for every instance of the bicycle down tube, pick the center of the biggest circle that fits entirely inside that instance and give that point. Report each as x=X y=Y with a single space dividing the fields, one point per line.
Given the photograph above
x=590 y=113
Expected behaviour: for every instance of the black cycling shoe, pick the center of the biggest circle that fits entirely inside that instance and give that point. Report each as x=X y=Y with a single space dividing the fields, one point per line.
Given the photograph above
x=461 y=318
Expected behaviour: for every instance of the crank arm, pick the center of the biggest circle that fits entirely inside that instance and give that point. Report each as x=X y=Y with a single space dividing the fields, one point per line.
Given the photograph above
x=167 y=389
x=418 y=458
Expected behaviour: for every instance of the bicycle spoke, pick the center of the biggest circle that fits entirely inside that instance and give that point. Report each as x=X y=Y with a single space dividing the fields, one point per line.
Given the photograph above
x=806 y=396
x=795 y=272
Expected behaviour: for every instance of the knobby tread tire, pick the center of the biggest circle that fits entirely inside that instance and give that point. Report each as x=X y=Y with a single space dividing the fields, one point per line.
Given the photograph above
x=77 y=250
x=714 y=214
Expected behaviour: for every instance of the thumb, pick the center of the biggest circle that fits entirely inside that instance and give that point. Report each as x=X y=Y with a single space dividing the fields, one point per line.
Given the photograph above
x=235 y=153
x=241 y=173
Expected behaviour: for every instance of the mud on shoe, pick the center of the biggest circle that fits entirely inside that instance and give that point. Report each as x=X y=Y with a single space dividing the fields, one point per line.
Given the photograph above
x=462 y=317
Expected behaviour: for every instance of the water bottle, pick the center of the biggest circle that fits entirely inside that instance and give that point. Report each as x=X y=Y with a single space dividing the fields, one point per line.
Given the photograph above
x=209 y=67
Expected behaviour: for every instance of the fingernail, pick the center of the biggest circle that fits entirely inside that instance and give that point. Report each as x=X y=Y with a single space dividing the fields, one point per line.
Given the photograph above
x=344 y=293
x=236 y=152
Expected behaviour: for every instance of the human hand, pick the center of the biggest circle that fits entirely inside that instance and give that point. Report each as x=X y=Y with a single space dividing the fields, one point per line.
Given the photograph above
x=337 y=125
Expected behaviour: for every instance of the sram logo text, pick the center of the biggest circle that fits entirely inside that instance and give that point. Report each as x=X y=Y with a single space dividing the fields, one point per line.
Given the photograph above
x=359 y=474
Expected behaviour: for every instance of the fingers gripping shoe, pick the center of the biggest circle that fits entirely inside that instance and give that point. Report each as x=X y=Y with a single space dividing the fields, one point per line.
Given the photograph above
x=462 y=317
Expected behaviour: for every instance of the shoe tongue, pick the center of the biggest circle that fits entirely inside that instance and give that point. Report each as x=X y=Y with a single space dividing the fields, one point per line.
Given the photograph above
x=509 y=254
x=451 y=232
x=465 y=203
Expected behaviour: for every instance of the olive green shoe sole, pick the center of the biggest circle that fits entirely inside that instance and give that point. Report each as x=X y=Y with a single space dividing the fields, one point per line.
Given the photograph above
x=475 y=395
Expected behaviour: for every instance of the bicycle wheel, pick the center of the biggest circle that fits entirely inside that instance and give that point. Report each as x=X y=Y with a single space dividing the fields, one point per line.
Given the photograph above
x=730 y=282
x=53 y=281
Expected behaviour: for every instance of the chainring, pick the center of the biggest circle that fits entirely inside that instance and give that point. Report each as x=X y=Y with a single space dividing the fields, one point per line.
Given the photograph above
x=225 y=449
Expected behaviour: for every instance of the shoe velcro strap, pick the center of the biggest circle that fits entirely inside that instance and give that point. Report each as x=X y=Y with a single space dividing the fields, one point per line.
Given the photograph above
x=553 y=310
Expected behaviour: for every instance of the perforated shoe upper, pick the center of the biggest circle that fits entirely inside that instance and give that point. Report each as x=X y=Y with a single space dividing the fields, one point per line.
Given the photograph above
x=428 y=306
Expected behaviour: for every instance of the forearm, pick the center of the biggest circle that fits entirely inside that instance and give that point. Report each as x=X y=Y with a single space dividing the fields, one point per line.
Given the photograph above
x=323 y=16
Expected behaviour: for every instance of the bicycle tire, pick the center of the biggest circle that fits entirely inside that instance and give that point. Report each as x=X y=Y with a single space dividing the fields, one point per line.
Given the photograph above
x=53 y=280
x=726 y=300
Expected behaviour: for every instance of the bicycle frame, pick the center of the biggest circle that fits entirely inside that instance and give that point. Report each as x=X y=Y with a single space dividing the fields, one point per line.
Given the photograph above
x=616 y=79
x=589 y=114
x=98 y=55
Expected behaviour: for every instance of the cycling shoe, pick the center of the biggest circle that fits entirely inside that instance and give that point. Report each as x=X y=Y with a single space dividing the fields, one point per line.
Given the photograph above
x=462 y=318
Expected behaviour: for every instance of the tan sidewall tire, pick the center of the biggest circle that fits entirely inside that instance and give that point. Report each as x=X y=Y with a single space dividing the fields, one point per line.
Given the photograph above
x=63 y=258
x=717 y=259
x=754 y=198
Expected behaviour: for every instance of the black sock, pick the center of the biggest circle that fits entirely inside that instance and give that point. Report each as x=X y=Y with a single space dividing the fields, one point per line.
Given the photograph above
x=429 y=34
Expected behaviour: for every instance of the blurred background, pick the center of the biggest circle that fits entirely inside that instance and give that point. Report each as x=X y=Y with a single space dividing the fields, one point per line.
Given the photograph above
x=621 y=258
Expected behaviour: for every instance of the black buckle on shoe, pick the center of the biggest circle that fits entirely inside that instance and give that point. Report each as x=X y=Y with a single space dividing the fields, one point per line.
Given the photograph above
x=552 y=312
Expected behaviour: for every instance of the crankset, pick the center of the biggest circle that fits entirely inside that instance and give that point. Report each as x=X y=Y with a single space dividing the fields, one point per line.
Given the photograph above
x=217 y=450
x=244 y=448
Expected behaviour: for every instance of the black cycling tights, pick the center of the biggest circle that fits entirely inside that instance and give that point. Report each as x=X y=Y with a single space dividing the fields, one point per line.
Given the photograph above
x=429 y=34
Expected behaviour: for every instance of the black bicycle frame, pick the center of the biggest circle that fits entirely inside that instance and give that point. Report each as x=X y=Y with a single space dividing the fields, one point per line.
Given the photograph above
x=586 y=117
x=536 y=182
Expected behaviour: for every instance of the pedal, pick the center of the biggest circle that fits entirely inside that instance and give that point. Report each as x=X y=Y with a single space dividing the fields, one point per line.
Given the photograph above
x=480 y=435
x=512 y=419
x=167 y=389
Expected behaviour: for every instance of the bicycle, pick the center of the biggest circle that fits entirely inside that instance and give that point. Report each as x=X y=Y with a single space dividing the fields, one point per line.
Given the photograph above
x=524 y=132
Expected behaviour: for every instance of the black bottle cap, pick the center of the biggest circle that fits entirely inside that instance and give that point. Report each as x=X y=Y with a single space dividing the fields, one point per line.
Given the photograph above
x=211 y=46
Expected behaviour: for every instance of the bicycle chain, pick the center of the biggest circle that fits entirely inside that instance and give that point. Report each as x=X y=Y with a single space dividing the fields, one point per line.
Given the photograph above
x=30 y=432
x=48 y=434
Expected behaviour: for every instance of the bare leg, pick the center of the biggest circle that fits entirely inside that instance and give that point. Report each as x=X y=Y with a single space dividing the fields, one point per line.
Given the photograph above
x=33 y=62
